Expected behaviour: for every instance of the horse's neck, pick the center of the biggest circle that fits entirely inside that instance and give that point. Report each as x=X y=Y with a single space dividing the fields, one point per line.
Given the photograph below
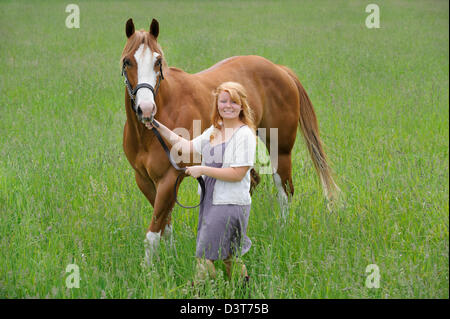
x=134 y=126
x=175 y=81
x=172 y=94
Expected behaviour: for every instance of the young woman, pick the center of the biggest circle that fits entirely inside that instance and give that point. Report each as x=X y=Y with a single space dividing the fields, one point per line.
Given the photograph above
x=228 y=150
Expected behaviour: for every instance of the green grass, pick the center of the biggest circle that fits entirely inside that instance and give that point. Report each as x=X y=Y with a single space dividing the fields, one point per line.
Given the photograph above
x=68 y=195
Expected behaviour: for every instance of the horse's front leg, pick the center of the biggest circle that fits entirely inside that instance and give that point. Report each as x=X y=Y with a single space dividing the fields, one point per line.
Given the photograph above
x=146 y=186
x=160 y=224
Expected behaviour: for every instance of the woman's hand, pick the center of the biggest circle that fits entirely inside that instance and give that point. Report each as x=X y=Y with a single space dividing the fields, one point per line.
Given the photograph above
x=194 y=171
x=149 y=124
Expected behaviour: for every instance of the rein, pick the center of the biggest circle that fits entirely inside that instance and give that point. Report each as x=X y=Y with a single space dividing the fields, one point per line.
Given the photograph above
x=132 y=93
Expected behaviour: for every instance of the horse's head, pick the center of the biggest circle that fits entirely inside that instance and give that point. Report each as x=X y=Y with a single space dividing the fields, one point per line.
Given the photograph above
x=142 y=65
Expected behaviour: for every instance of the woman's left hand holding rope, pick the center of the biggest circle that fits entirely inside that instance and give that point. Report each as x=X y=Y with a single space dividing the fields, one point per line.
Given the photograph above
x=194 y=171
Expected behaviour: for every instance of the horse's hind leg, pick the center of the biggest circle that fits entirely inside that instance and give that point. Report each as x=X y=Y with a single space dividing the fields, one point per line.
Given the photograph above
x=282 y=178
x=281 y=167
x=254 y=180
x=168 y=234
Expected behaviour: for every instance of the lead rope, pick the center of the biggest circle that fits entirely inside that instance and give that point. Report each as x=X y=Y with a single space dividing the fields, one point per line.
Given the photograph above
x=182 y=169
x=132 y=94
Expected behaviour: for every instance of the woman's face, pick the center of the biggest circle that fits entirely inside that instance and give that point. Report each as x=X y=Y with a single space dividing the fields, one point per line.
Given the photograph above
x=227 y=108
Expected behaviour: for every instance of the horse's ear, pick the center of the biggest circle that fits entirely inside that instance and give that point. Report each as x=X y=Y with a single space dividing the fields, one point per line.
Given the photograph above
x=154 y=28
x=129 y=28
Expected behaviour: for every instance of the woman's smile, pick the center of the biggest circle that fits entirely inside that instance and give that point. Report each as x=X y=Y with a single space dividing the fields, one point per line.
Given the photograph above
x=227 y=108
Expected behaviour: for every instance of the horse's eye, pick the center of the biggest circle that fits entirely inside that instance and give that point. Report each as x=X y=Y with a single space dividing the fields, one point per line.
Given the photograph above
x=126 y=62
x=158 y=62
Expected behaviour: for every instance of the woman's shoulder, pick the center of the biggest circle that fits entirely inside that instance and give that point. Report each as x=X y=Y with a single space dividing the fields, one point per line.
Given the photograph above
x=209 y=130
x=245 y=135
x=246 y=130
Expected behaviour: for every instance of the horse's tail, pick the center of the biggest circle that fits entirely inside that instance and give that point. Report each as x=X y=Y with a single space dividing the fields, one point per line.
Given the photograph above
x=310 y=131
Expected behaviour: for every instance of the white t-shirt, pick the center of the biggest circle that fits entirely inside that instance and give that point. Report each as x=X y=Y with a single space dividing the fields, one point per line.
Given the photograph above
x=240 y=151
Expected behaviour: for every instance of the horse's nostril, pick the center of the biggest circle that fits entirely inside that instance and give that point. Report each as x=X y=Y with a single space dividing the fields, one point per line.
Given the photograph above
x=139 y=110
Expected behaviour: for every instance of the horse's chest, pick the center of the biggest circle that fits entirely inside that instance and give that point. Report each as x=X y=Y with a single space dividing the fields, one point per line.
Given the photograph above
x=148 y=162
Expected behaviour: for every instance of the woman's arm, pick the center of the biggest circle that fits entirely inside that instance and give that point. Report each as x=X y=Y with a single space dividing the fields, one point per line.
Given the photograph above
x=175 y=140
x=227 y=174
x=243 y=159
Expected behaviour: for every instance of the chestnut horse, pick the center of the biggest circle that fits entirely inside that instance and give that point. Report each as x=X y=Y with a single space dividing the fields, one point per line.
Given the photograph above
x=274 y=93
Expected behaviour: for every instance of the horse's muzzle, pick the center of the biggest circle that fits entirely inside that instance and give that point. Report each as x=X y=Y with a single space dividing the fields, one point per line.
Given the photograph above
x=146 y=112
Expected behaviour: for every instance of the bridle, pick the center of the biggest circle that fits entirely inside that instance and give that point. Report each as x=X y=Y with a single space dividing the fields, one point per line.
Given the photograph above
x=132 y=94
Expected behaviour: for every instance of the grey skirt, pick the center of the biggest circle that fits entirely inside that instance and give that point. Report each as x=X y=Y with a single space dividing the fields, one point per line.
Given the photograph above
x=222 y=229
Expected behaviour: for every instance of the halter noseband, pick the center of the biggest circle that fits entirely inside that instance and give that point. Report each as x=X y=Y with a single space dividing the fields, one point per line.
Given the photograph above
x=132 y=92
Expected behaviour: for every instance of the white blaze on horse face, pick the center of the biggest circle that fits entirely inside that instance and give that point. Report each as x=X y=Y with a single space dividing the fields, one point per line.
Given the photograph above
x=146 y=59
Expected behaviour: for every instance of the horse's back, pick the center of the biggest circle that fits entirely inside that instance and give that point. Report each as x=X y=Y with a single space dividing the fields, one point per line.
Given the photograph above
x=254 y=72
x=271 y=88
x=245 y=63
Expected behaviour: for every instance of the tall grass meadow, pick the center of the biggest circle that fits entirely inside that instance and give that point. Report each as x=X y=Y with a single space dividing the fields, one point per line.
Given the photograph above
x=68 y=194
